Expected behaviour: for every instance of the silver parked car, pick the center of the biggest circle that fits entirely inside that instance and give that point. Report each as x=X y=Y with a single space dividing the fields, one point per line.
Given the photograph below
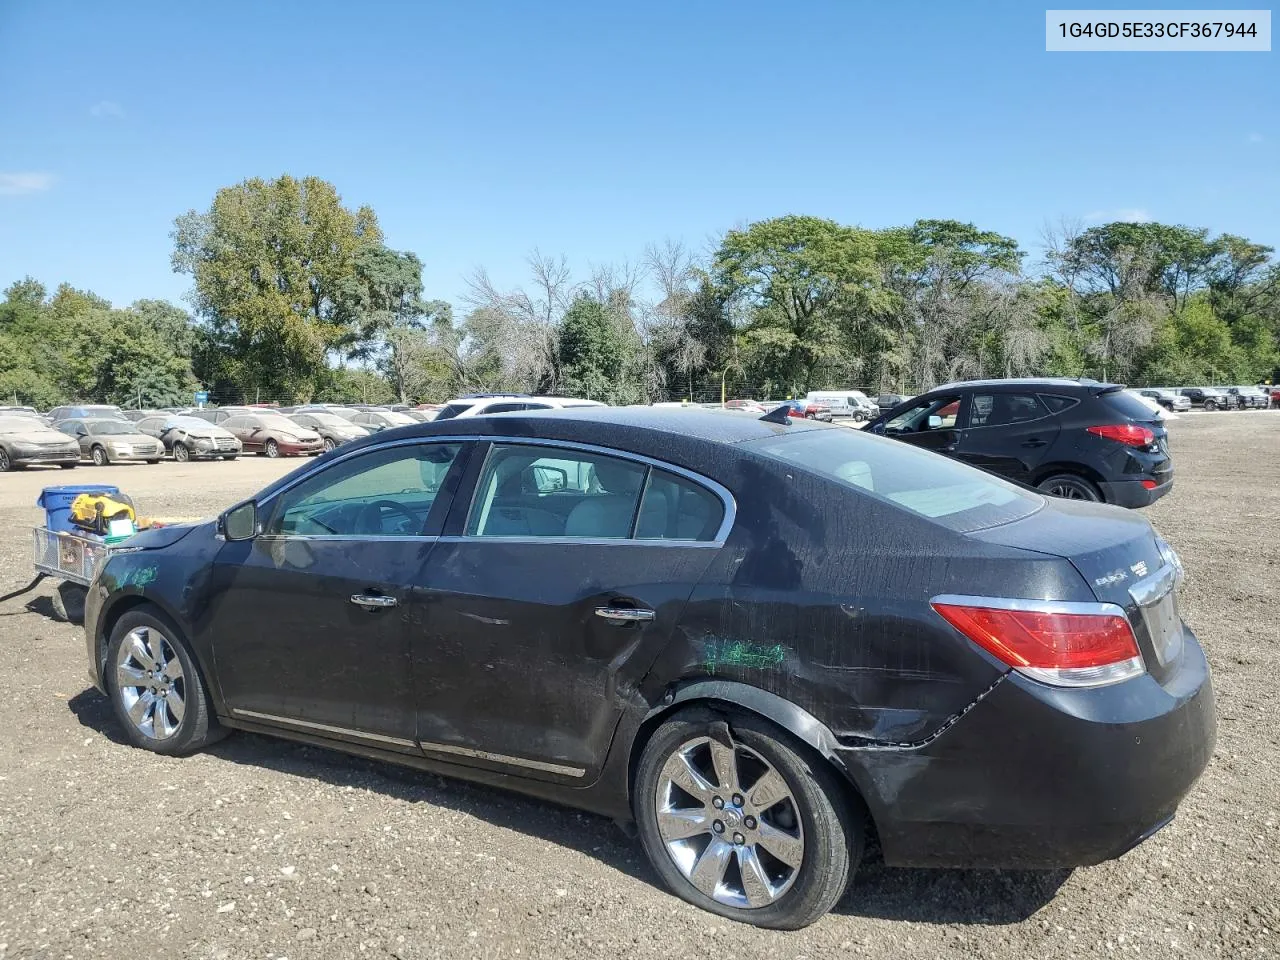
x=25 y=440
x=333 y=429
x=112 y=441
x=189 y=438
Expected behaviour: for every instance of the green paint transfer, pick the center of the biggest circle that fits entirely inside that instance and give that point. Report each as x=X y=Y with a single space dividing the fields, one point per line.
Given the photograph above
x=724 y=651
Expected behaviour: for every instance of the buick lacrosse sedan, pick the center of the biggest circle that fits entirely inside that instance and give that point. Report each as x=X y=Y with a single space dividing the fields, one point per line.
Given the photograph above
x=762 y=642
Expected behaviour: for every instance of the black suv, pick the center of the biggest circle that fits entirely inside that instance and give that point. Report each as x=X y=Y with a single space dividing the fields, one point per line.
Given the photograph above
x=1079 y=439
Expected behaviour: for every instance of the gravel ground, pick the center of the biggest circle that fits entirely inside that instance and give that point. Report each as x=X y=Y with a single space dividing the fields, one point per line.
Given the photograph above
x=261 y=848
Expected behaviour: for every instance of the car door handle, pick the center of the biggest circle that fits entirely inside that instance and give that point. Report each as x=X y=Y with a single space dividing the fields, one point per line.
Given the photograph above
x=624 y=614
x=371 y=601
x=1035 y=442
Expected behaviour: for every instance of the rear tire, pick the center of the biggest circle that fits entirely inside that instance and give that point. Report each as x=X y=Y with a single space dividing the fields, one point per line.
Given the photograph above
x=1210 y=406
x=68 y=466
x=1069 y=486
x=229 y=456
x=180 y=722
x=807 y=818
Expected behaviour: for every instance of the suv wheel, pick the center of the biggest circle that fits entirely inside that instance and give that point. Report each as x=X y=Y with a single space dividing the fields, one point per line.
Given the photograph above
x=741 y=820
x=1211 y=405
x=1068 y=486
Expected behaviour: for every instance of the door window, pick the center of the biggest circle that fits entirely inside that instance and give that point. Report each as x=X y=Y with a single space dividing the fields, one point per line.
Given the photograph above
x=937 y=414
x=674 y=508
x=384 y=493
x=531 y=491
x=1002 y=409
x=504 y=407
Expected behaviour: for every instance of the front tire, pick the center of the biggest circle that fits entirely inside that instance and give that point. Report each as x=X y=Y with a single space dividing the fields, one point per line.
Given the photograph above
x=738 y=818
x=329 y=445
x=155 y=686
x=100 y=458
x=180 y=453
x=5 y=463
x=229 y=456
x=1068 y=486
x=272 y=449
x=1210 y=406
x=68 y=466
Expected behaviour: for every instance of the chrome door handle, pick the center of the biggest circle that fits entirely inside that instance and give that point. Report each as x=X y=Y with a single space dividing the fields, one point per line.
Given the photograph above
x=373 y=601
x=624 y=614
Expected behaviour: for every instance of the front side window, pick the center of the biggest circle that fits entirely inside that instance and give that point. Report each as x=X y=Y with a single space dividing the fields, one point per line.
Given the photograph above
x=1001 y=409
x=383 y=493
x=937 y=414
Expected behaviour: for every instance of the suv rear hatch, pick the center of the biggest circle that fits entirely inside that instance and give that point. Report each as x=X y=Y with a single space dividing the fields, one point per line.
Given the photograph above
x=1118 y=555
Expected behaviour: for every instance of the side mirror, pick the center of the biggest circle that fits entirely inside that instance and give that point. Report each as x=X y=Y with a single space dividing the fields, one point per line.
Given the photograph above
x=241 y=522
x=935 y=421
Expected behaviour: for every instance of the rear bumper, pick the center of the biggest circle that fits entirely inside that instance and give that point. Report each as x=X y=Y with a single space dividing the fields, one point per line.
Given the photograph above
x=1040 y=777
x=1131 y=493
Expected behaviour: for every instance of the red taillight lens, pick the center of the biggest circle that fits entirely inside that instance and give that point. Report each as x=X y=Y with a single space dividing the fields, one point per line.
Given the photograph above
x=1074 y=649
x=1129 y=434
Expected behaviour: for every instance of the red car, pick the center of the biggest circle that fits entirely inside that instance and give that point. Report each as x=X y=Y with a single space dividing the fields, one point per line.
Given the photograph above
x=810 y=411
x=273 y=434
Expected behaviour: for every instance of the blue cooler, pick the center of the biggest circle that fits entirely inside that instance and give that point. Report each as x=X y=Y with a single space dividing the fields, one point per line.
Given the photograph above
x=57 y=501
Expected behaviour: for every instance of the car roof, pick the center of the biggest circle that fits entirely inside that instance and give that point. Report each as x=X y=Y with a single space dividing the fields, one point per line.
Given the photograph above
x=1024 y=382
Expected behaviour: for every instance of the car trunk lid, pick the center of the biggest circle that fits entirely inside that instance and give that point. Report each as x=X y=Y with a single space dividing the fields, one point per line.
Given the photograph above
x=1117 y=553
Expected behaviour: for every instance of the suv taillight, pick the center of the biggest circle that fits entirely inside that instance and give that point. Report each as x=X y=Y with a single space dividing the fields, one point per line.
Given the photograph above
x=1065 y=644
x=1130 y=434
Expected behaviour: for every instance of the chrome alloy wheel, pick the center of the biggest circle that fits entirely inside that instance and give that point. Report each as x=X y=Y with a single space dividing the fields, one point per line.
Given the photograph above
x=729 y=822
x=152 y=688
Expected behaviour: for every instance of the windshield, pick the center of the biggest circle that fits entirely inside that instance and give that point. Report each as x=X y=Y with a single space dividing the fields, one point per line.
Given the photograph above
x=393 y=419
x=277 y=421
x=187 y=423
x=110 y=428
x=960 y=497
x=12 y=424
x=329 y=420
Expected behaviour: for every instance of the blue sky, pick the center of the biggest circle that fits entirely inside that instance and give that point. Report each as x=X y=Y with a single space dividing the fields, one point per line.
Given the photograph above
x=481 y=130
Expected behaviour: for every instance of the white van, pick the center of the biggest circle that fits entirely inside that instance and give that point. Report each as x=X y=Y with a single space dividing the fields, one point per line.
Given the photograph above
x=845 y=403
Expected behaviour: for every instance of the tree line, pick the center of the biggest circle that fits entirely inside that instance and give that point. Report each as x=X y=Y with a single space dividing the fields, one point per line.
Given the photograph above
x=296 y=297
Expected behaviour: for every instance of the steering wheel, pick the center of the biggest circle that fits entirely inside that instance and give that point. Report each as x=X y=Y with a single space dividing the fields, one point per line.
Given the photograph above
x=371 y=515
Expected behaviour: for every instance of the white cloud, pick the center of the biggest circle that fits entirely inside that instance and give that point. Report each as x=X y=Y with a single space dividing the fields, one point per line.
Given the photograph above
x=107 y=108
x=1256 y=138
x=1124 y=214
x=16 y=184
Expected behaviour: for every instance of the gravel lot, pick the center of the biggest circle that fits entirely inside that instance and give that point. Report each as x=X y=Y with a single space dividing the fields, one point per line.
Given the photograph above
x=260 y=848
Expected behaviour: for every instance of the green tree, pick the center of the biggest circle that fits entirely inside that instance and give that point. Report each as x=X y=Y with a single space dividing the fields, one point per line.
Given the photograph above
x=590 y=360
x=271 y=260
x=797 y=278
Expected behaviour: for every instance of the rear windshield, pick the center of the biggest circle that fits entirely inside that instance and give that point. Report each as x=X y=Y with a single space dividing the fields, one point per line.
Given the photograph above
x=1127 y=405
x=958 y=496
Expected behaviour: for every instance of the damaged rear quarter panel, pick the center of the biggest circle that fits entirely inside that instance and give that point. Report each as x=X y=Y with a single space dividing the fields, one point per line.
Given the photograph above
x=821 y=597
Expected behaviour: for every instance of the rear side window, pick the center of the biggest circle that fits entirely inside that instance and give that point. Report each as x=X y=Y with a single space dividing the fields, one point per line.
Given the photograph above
x=954 y=494
x=1127 y=405
x=1058 y=404
x=674 y=508
x=999 y=409
x=504 y=408
x=451 y=410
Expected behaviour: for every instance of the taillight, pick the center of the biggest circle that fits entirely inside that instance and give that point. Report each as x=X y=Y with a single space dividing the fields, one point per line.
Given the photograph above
x=1130 y=434
x=1066 y=644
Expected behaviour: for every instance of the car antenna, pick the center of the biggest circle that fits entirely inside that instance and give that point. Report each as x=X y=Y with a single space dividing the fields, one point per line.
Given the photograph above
x=782 y=415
